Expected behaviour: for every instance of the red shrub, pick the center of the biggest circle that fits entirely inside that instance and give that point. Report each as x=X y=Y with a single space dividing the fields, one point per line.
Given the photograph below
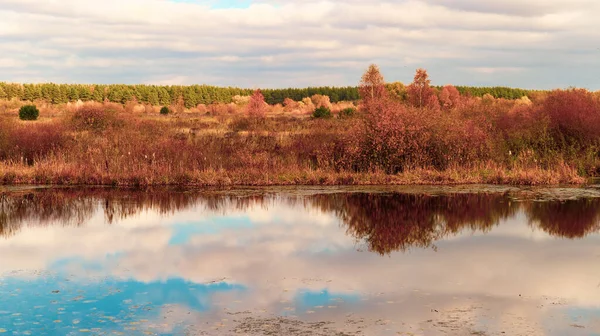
x=257 y=106
x=449 y=97
x=93 y=117
x=574 y=114
x=33 y=141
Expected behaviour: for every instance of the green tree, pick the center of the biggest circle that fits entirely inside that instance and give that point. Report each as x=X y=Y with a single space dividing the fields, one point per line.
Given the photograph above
x=73 y=94
x=163 y=96
x=85 y=92
x=28 y=112
x=153 y=98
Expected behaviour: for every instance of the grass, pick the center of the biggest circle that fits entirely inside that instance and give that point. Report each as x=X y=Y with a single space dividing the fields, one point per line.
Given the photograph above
x=387 y=141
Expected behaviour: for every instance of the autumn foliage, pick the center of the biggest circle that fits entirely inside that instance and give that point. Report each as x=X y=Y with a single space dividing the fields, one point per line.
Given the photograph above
x=256 y=106
x=416 y=133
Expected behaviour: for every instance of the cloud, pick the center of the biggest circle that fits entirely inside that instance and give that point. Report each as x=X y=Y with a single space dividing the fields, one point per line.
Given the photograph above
x=299 y=43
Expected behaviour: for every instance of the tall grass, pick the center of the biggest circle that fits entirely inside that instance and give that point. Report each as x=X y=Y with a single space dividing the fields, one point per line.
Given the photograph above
x=550 y=139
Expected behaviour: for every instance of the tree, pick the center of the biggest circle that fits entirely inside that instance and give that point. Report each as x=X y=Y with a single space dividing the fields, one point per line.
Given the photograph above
x=372 y=88
x=73 y=94
x=85 y=92
x=98 y=93
x=397 y=90
x=449 y=97
x=28 y=92
x=322 y=112
x=433 y=103
x=420 y=91
x=58 y=95
x=257 y=106
x=321 y=101
x=164 y=97
x=153 y=97
x=28 y=112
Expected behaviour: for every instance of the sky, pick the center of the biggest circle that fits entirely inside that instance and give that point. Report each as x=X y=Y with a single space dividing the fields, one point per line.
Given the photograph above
x=298 y=43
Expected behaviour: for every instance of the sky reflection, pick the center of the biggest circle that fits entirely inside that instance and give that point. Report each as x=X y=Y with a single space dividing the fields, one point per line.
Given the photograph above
x=370 y=263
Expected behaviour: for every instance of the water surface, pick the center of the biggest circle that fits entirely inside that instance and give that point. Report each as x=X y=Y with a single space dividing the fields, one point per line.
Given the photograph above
x=426 y=261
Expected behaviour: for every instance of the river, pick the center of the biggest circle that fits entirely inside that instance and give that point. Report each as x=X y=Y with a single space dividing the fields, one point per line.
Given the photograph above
x=471 y=260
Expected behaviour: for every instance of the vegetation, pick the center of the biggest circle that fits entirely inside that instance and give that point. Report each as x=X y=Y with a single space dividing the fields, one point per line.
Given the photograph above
x=348 y=112
x=193 y=95
x=394 y=134
x=322 y=112
x=28 y=112
x=164 y=110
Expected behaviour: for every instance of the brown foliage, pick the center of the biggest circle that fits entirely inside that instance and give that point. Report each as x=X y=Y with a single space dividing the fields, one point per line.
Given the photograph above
x=574 y=114
x=420 y=91
x=28 y=143
x=290 y=105
x=321 y=101
x=256 y=106
x=372 y=89
x=449 y=97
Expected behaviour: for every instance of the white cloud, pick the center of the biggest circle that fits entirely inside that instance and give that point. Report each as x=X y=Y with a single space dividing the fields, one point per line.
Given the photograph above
x=270 y=43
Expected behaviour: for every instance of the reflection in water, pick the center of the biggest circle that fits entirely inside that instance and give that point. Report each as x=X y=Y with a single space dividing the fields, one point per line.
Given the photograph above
x=385 y=222
x=397 y=222
x=160 y=262
x=569 y=219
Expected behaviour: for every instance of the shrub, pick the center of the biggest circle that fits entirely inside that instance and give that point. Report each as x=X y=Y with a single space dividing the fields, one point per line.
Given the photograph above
x=164 y=110
x=94 y=118
x=29 y=112
x=257 y=107
x=30 y=142
x=574 y=115
x=322 y=112
x=347 y=112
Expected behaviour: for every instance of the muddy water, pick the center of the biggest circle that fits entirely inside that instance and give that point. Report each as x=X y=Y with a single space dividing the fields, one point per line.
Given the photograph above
x=350 y=261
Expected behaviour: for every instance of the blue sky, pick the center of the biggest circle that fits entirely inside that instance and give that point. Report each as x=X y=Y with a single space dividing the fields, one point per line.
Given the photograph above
x=270 y=43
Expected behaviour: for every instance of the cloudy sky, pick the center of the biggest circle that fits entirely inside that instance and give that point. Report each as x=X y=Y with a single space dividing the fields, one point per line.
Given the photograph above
x=294 y=43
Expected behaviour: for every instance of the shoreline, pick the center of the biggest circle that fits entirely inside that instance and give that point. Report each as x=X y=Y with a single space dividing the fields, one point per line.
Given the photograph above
x=69 y=176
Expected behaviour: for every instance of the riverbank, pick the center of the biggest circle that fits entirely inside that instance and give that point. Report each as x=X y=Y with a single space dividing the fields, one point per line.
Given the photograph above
x=81 y=175
x=383 y=139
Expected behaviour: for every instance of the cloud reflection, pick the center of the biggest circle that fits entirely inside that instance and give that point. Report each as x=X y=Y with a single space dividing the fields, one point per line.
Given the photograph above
x=297 y=256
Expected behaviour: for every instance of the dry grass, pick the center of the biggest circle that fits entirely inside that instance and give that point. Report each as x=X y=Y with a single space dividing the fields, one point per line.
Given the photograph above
x=219 y=145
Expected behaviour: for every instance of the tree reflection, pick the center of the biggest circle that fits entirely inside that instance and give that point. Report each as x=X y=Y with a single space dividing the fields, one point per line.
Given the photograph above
x=397 y=222
x=569 y=219
x=384 y=222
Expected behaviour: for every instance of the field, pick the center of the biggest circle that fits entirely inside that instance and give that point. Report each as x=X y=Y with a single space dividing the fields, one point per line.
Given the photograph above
x=393 y=134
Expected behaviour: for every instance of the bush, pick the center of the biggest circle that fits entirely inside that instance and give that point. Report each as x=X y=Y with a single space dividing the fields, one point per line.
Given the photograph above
x=347 y=112
x=164 y=110
x=322 y=112
x=29 y=112
x=574 y=115
x=93 y=118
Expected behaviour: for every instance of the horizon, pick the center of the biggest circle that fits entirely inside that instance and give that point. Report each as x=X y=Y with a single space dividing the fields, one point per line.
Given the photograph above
x=357 y=85
x=295 y=44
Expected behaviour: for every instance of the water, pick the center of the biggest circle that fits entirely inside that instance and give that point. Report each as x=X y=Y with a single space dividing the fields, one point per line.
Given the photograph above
x=426 y=261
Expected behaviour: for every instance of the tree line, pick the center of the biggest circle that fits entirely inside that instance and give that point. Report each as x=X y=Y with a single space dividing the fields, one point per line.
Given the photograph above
x=193 y=95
